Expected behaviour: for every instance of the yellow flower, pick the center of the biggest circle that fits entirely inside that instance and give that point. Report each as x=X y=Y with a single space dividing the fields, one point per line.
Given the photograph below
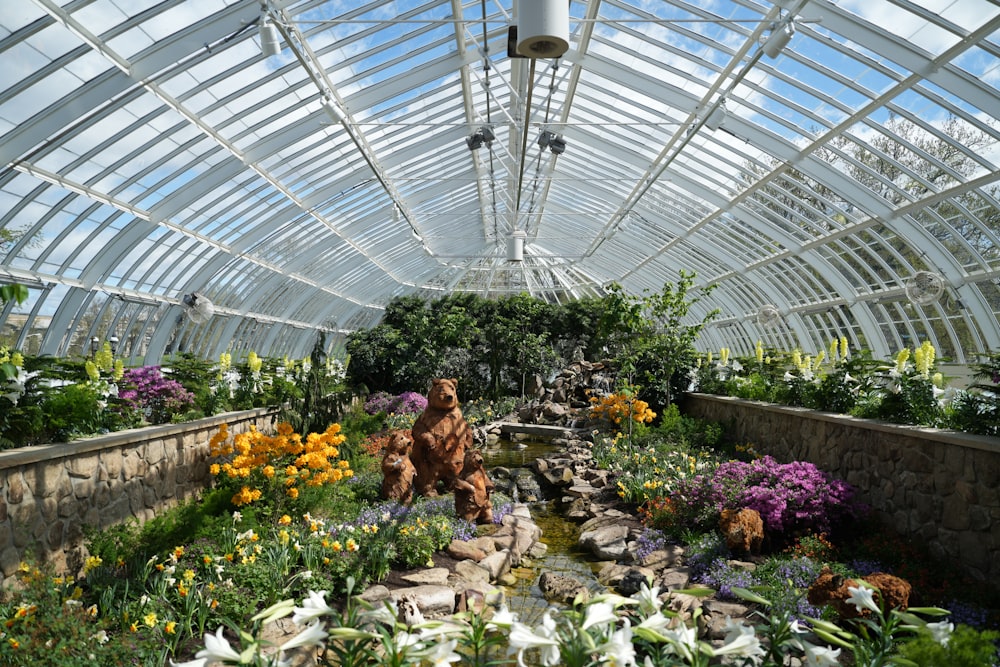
x=170 y=627
x=285 y=520
x=189 y=574
x=149 y=619
x=293 y=493
x=91 y=563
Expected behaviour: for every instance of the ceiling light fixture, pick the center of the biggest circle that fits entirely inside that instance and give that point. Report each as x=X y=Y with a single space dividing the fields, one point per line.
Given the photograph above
x=780 y=35
x=270 y=41
x=515 y=246
x=718 y=116
x=542 y=28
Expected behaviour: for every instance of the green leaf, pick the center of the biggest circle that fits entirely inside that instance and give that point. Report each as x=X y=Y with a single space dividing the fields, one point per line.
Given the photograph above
x=750 y=596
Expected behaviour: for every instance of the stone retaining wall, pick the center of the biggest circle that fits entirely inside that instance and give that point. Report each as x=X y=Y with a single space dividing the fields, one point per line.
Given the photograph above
x=49 y=493
x=939 y=487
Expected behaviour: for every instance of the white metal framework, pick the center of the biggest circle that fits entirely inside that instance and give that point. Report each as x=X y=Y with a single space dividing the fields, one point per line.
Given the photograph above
x=150 y=150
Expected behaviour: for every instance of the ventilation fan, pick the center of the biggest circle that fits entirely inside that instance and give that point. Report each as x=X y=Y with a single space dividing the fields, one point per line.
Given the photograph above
x=199 y=309
x=924 y=288
x=768 y=315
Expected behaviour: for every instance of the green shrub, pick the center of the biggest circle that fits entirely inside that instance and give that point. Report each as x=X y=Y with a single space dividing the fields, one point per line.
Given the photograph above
x=965 y=647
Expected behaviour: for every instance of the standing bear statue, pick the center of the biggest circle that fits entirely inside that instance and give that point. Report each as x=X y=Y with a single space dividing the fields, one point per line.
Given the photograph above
x=472 y=490
x=440 y=438
x=398 y=472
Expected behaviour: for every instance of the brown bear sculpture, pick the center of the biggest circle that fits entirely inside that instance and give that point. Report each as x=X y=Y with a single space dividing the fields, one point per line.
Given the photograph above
x=472 y=490
x=744 y=531
x=831 y=589
x=398 y=472
x=440 y=438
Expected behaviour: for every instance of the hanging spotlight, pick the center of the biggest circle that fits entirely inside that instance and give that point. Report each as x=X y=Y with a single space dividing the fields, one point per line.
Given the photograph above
x=557 y=144
x=717 y=117
x=780 y=35
x=270 y=41
x=484 y=135
x=554 y=142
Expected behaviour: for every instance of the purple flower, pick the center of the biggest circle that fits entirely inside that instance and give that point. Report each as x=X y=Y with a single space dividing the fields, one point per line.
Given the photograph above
x=146 y=389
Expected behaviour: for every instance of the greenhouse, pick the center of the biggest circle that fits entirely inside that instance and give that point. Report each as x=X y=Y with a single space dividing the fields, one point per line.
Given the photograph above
x=832 y=167
x=500 y=332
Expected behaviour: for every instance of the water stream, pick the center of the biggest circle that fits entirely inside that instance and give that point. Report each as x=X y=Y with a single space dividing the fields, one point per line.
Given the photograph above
x=559 y=534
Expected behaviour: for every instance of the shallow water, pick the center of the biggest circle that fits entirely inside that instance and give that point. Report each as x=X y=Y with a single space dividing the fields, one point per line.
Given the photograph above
x=559 y=535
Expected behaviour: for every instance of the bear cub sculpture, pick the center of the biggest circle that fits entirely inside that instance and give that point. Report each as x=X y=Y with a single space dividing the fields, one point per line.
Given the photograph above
x=472 y=490
x=440 y=438
x=744 y=531
x=398 y=472
x=832 y=589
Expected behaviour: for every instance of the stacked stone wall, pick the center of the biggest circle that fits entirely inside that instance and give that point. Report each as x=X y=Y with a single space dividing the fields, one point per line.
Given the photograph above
x=49 y=494
x=939 y=487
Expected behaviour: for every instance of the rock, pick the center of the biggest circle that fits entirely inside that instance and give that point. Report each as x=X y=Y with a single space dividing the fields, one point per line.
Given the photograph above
x=507 y=579
x=716 y=613
x=581 y=490
x=560 y=588
x=675 y=578
x=437 y=576
x=472 y=571
x=538 y=550
x=606 y=542
x=683 y=605
x=611 y=573
x=431 y=600
x=485 y=543
x=669 y=556
x=461 y=550
x=476 y=597
x=375 y=594
x=633 y=581
x=497 y=564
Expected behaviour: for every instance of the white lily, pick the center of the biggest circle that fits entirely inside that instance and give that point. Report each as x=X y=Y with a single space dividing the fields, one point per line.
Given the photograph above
x=941 y=631
x=821 y=656
x=649 y=599
x=314 y=635
x=599 y=614
x=683 y=641
x=862 y=598
x=740 y=640
x=313 y=606
x=502 y=618
x=619 y=651
x=543 y=637
x=443 y=653
x=217 y=648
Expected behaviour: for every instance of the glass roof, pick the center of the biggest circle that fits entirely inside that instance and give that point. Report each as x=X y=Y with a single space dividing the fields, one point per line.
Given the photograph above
x=151 y=151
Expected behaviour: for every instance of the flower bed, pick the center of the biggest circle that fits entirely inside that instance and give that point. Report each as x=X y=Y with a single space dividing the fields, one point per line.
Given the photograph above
x=937 y=486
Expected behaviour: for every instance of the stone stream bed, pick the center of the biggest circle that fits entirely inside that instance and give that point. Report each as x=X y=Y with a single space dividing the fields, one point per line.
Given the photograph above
x=564 y=535
x=515 y=461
